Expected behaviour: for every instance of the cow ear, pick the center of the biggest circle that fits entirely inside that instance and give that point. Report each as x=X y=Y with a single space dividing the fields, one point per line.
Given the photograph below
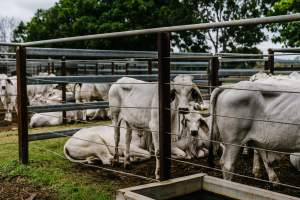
x=196 y=94
x=9 y=81
x=204 y=126
x=172 y=95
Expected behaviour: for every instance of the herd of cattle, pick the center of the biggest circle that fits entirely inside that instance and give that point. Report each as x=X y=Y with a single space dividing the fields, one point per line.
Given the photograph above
x=261 y=113
x=51 y=94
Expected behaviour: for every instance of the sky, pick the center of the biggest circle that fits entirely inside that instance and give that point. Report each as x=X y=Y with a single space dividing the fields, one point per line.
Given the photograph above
x=25 y=10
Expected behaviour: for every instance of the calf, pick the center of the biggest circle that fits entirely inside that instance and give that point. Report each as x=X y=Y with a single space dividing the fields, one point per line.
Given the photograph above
x=97 y=143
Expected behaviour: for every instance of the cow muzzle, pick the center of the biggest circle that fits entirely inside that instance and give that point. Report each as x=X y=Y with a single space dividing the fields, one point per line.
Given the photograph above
x=194 y=133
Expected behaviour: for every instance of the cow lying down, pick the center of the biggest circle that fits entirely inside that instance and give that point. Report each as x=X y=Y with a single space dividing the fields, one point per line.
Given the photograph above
x=97 y=143
x=51 y=118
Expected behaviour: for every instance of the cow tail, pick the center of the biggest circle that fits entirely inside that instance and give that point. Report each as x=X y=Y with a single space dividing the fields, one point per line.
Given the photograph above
x=213 y=131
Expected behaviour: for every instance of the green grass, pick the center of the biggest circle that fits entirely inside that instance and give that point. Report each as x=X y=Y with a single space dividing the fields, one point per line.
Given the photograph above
x=48 y=170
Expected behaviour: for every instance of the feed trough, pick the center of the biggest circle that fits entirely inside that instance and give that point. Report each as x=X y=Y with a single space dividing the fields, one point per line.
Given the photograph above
x=198 y=186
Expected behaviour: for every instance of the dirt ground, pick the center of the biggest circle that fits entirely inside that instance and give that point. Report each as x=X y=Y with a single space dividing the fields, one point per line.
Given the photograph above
x=16 y=188
x=286 y=173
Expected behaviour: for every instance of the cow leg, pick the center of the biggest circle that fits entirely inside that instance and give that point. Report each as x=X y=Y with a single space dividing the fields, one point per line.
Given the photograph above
x=127 y=146
x=268 y=166
x=228 y=159
x=116 y=125
x=138 y=154
x=9 y=112
x=256 y=165
x=178 y=153
x=156 y=153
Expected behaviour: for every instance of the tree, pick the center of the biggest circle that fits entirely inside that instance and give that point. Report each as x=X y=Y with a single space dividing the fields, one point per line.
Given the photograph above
x=288 y=32
x=82 y=17
x=7 y=25
x=234 y=39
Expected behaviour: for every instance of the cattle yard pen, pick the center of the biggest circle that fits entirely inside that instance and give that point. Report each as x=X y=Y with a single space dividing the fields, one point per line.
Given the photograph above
x=163 y=59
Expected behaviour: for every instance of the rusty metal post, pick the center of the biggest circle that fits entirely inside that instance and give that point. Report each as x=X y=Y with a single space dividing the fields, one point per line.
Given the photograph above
x=96 y=69
x=163 y=44
x=149 y=66
x=213 y=73
x=127 y=68
x=271 y=61
x=22 y=104
x=112 y=68
x=63 y=89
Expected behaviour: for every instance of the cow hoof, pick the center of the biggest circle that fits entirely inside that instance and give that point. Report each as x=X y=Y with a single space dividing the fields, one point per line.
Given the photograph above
x=127 y=166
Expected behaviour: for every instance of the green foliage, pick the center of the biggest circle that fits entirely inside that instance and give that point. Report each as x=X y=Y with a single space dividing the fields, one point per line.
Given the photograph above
x=289 y=32
x=81 y=17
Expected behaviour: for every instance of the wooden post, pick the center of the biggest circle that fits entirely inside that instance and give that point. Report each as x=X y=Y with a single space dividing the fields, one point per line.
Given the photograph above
x=149 y=66
x=271 y=61
x=84 y=69
x=163 y=45
x=22 y=104
x=127 y=68
x=213 y=75
x=63 y=89
x=112 y=68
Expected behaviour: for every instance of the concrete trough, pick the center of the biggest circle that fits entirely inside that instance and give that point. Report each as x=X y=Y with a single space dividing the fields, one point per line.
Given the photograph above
x=198 y=186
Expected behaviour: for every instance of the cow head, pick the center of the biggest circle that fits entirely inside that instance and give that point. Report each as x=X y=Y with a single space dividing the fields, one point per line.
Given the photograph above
x=4 y=82
x=196 y=127
x=183 y=90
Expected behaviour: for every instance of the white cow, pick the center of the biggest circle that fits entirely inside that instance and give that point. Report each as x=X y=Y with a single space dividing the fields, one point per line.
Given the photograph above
x=195 y=134
x=295 y=160
x=51 y=118
x=127 y=93
x=8 y=92
x=97 y=143
x=88 y=92
x=263 y=102
x=34 y=90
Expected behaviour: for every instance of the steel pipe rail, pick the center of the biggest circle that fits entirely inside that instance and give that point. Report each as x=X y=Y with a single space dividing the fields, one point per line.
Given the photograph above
x=52 y=135
x=68 y=107
x=97 y=79
x=101 y=53
x=202 y=26
x=288 y=50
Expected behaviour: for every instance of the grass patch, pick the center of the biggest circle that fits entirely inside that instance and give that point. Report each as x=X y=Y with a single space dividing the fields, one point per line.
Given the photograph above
x=48 y=170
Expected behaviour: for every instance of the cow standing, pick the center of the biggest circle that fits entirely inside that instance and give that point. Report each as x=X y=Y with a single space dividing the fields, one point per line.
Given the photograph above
x=233 y=109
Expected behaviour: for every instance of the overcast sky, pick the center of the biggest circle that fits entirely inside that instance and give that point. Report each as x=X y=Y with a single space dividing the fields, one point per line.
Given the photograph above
x=25 y=9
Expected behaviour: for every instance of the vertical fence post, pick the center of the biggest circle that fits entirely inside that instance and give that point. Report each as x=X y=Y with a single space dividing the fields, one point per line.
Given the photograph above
x=271 y=60
x=127 y=68
x=96 y=70
x=213 y=75
x=149 y=66
x=63 y=89
x=163 y=44
x=112 y=68
x=22 y=104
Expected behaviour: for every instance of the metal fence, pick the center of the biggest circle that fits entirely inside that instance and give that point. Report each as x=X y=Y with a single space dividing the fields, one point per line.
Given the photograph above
x=163 y=57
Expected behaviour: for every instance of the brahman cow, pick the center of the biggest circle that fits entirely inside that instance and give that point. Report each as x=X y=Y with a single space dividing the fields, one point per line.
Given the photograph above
x=136 y=103
x=97 y=143
x=52 y=118
x=8 y=92
x=88 y=92
x=250 y=113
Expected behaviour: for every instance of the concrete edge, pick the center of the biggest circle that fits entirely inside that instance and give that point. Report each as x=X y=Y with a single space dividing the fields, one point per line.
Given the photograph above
x=241 y=191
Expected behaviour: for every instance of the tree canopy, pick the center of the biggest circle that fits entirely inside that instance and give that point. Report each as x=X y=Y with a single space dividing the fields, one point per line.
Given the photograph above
x=288 y=34
x=82 y=17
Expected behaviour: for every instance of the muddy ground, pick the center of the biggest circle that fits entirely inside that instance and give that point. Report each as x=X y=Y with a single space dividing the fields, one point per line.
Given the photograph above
x=286 y=173
x=16 y=188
